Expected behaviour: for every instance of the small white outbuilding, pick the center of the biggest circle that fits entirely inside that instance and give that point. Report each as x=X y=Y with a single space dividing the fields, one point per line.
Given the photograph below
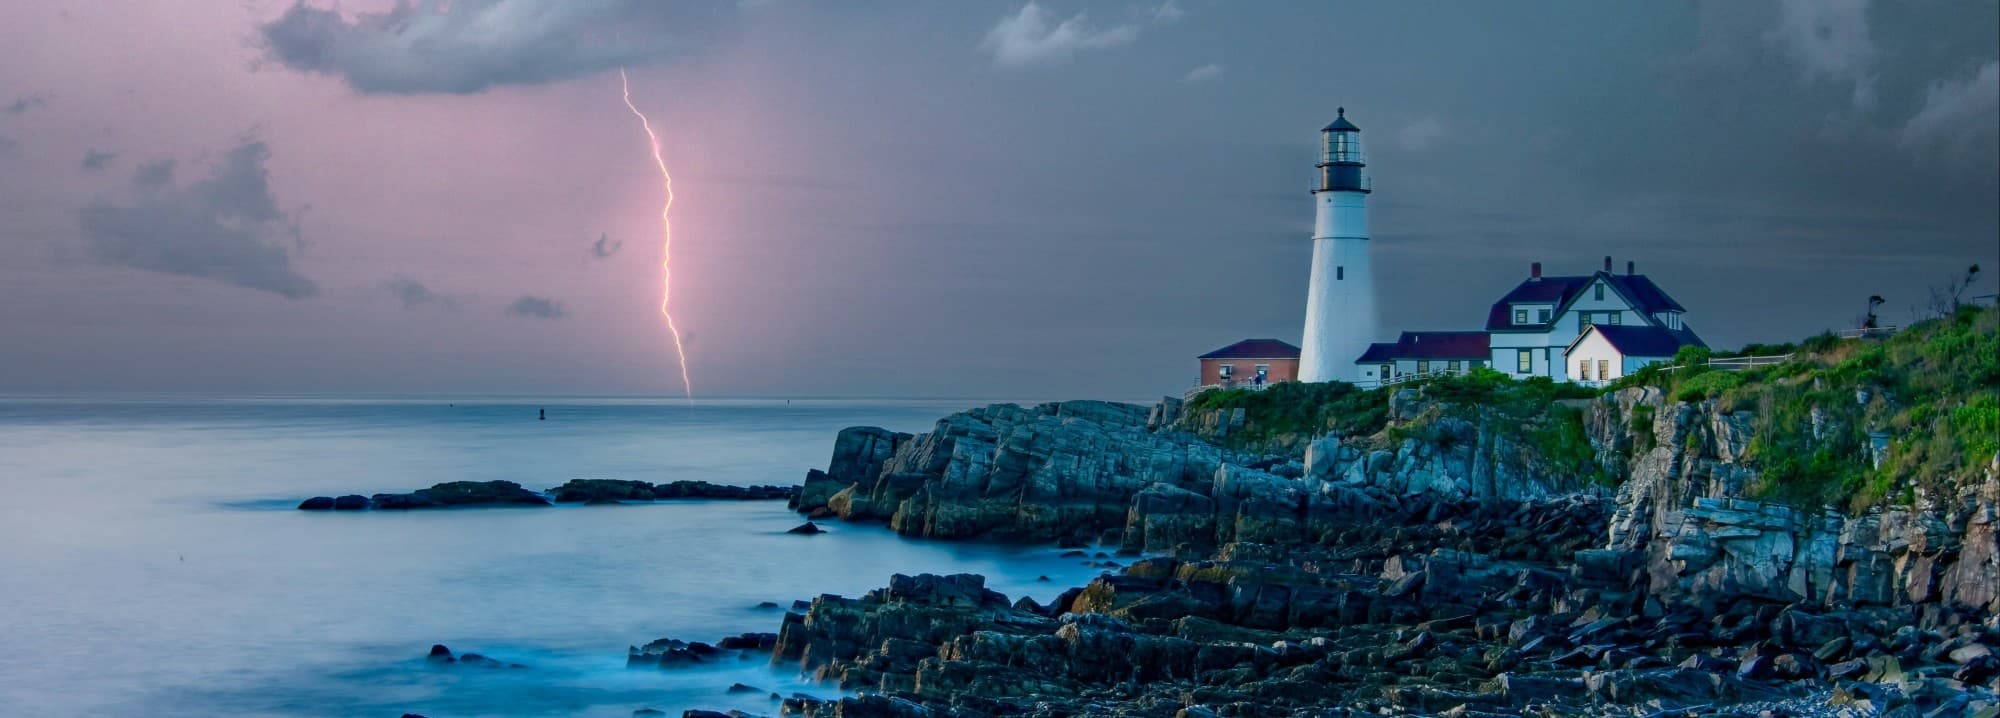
x=1606 y=352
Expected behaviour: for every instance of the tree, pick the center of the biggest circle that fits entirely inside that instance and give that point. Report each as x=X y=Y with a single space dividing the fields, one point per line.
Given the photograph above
x=1946 y=298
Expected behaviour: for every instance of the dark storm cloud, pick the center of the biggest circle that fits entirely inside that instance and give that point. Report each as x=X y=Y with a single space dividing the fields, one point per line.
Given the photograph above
x=25 y=103
x=603 y=248
x=535 y=307
x=94 y=160
x=471 y=45
x=414 y=294
x=226 y=227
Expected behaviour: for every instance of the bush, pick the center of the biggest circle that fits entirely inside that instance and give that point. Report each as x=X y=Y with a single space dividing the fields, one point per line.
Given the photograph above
x=1298 y=409
x=1692 y=355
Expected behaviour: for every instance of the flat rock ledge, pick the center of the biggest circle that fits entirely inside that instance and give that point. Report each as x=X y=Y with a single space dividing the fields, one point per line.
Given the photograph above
x=507 y=493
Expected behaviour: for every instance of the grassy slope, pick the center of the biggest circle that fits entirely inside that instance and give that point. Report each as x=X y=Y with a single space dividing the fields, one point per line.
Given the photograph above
x=1932 y=389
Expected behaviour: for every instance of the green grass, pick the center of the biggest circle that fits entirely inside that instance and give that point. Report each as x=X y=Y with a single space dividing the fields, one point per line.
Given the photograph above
x=1933 y=389
x=1295 y=409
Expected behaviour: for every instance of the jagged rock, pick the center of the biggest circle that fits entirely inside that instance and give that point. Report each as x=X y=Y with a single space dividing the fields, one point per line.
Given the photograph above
x=806 y=528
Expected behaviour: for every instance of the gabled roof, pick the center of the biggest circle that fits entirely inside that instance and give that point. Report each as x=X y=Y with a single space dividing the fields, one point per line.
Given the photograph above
x=1254 y=349
x=1634 y=340
x=1639 y=291
x=1430 y=345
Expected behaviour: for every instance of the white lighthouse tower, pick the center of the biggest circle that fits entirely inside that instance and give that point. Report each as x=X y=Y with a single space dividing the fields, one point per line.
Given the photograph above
x=1340 y=303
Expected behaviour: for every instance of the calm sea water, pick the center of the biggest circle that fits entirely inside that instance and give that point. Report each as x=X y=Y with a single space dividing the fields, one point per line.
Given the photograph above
x=151 y=561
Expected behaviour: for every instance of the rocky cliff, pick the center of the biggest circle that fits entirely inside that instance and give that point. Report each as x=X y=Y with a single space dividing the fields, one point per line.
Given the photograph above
x=1479 y=547
x=1681 y=510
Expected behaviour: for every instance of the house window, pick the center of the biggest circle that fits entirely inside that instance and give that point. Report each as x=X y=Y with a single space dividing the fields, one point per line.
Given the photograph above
x=1525 y=361
x=1225 y=370
x=1617 y=318
x=1388 y=369
x=1582 y=320
x=1451 y=365
x=1603 y=368
x=1598 y=292
x=1339 y=273
x=1520 y=316
x=1544 y=316
x=1423 y=365
x=1263 y=371
x=1583 y=369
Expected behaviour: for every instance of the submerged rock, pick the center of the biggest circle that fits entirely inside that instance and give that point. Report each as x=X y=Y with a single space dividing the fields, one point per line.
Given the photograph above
x=806 y=528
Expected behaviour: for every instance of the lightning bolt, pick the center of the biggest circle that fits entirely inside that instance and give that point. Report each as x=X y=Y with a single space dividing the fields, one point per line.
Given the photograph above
x=667 y=236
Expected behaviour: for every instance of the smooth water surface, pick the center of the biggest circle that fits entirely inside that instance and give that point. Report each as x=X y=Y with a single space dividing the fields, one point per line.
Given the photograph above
x=151 y=561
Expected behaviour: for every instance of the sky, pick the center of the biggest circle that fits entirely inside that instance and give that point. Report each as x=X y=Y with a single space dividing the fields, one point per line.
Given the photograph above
x=969 y=199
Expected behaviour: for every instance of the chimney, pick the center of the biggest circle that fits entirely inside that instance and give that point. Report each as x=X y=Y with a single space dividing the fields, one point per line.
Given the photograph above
x=1607 y=264
x=1535 y=271
x=1631 y=268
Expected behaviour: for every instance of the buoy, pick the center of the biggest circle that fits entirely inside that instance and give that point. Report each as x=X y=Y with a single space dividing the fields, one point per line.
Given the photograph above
x=541 y=415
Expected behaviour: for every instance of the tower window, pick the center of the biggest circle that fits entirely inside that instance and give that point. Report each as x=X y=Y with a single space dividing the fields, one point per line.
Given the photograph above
x=1339 y=272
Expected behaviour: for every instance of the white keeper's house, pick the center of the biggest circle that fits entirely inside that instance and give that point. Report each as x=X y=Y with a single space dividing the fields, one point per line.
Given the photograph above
x=1586 y=328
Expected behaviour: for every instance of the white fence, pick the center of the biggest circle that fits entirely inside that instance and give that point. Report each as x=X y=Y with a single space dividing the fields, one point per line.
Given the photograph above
x=1867 y=333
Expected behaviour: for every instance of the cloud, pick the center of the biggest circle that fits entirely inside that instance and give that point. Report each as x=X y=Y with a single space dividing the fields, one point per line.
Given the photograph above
x=154 y=174
x=1418 y=136
x=1204 y=73
x=535 y=307
x=1958 y=115
x=94 y=160
x=1168 y=11
x=414 y=294
x=1030 y=38
x=603 y=248
x=468 y=46
x=1830 y=41
x=25 y=103
x=226 y=227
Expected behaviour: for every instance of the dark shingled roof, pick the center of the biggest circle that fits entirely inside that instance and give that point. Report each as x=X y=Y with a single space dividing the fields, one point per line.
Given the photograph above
x=1255 y=349
x=1643 y=341
x=1430 y=345
x=1646 y=297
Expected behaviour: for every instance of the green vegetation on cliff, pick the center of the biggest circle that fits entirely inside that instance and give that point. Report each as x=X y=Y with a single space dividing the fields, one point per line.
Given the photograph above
x=1852 y=421
x=1295 y=409
x=1525 y=414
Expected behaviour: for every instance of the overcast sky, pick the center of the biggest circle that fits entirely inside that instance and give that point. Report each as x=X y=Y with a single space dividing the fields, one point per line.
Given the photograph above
x=964 y=199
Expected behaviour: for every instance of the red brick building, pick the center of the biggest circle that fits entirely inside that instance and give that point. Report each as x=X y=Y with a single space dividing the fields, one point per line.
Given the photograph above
x=1250 y=363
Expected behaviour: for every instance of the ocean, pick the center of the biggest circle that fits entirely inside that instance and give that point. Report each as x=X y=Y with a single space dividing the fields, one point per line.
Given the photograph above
x=152 y=562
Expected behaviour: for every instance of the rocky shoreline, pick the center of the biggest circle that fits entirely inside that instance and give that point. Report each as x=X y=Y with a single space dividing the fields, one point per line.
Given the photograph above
x=457 y=494
x=1436 y=567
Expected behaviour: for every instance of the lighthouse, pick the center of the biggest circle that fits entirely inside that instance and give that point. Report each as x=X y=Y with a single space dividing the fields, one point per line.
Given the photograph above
x=1340 y=301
